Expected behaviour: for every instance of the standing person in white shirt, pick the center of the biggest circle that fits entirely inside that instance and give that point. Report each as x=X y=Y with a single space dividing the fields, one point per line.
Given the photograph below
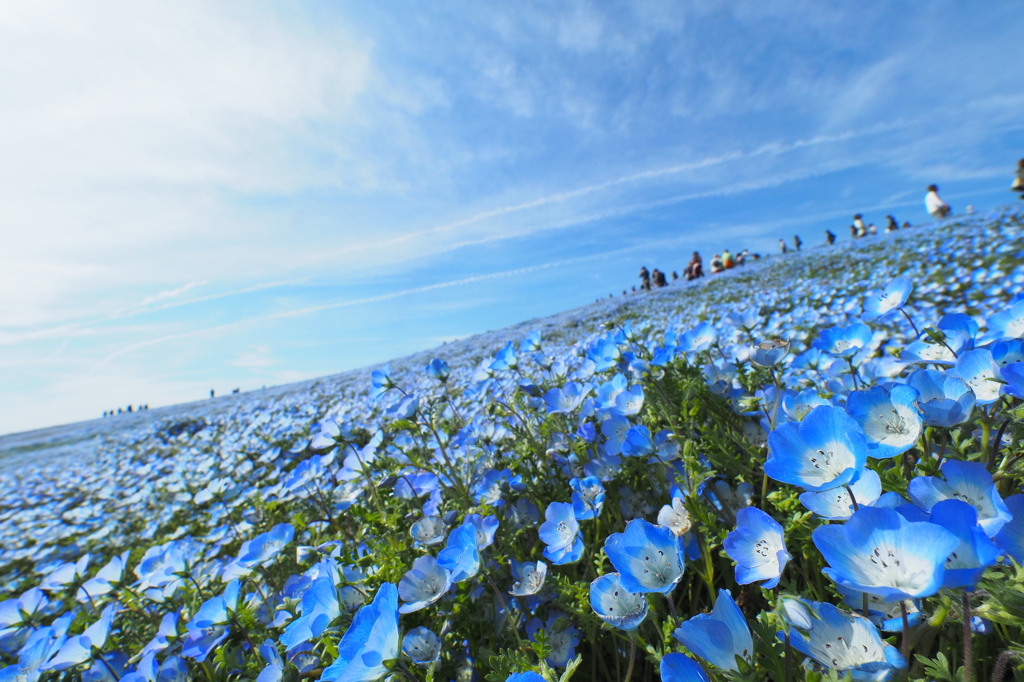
x=936 y=206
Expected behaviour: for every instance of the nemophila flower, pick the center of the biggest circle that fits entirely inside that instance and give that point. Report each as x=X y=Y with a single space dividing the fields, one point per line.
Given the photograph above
x=835 y=504
x=528 y=676
x=430 y=530
x=505 y=359
x=405 y=408
x=978 y=370
x=879 y=552
x=944 y=399
x=675 y=517
x=587 y=497
x=1009 y=323
x=843 y=342
x=522 y=514
x=16 y=614
x=65 y=574
x=847 y=643
x=886 y=615
x=769 y=353
x=561 y=533
x=1010 y=537
x=604 y=354
x=562 y=640
x=106 y=668
x=720 y=636
x=380 y=380
x=888 y=418
x=745 y=319
x=320 y=607
x=485 y=527
x=616 y=605
x=529 y=577
x=1013 y=375
x=530 y=342
x=209 y=626
x=438 y=369
x=423 y=584
x=676 y=667
x=265 y=547
x=78 y=649
x=758 y=548
x=614 y=429
x=422 y=646
x=370 y=642
x=162 y=640
x=105 y=580
x=638 y=442
x=825 y=450
x=974 y=554
x=880 y=303
x=413 y=484
x=566 y=399
x=698 y=339
x=461 y=556
x=969 y=482
x=648 y=558
x=38 y=648
x=274 y=670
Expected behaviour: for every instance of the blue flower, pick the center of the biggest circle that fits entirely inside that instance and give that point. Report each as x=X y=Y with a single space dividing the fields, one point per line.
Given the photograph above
x=587 y=497
x=1010 y=537
x=1008 y=323
x=944 y=399
x=638 y=442
x=78 y=649
x=758 y=548
x=616 y=605
x=835 y=504
x=648 y=558
x=720 y=636
x=698 y=339
x=429 y=530
x=565 y=399
x=485 y=527
x=843 y=342
x=529 y=577
x=888 y=418
x=263 y=548
x=439 y=370
x=886 y=615
x=563 y=640
x=461 y=556
x=614 y=429
x=769 y=353
x=273 y=672
x=975 y=552
x=978 y=370
x=825 y=450
x=381 y=381
x=422 y=646
x=370 y=641
x=676 y=667
x=104 y=581
x=745 y=319
x=847 y=642
x=880 y=303
x=423 y=584
x=528 y=676
x=967 y=481
x=799 y=405
x=319 y=609
x=505 y=359
x=879 y=552
x=561 y=533
x=1013 y=375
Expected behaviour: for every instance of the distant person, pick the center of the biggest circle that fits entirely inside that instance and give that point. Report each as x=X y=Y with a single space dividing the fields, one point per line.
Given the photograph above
x=129 y=409
x=695 y=268
x=1018 y=180
x=853 y=231
x=830 y=237
x=728 y=261
x=741 y=257
x=796 y=242
x=212 y=393
x=675 y=275
x=892 y=226
x=645 y=278
x=938 y=208
x=716 y=264
x=906 y=224
x=782 y=245
x=658 y=278
x=858 y=224
x=872 y=230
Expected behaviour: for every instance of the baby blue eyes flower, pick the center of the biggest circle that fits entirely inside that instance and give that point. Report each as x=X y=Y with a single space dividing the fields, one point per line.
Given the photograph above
x=587 y=497
x=888 y=418
x=380 y=380
x=1009 y=323
x=879 y=552
x=880 y=303
x=843 y=342
x=461 y=556
x=265 y=547
x=698 y=339
x=969 y=482
x=616 y=605
x=565 y=399
x=78 y=648
x=978 y=370
x=769 y=353
x=1010 y=537
x=758 y=548
x=614 y=429
x=529 y=577
x=429 y=530
x=944 y=399
x=745 y=319
x=528 y=676
x=485 y=527
x=370 y=642
x=563 y=641
x=847 y=642
x=422 y=646
x=975 y=552
x=675 y=517
x=319 y=609
x=825 y=450
x=505 y=359
x=720 y=636
x=561 y=533
x=423 y=585
x=439 y=370
x=638 y=442
x=676 y=667
x=648 y=558
x=835 y=504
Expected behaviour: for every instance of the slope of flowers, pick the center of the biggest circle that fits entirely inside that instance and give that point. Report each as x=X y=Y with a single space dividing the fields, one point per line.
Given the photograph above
x=808 y=467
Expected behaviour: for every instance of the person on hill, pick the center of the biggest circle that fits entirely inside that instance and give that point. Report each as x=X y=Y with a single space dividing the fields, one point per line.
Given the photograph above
x=716 y=264
x=645 y=278
x=872 y=230
x=797 y=242
x=658 y=278
x=1018 y=180
x=830 y=237
x=892 y=226
x=858 y=224
x=938 y=208
x=782 y=245
x=675 y=275
x=741 y=257
x=695 y=268
x=728 y=260
x=853 y=231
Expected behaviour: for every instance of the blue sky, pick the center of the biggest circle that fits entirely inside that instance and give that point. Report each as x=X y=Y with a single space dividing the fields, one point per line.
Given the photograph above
x=202 y=195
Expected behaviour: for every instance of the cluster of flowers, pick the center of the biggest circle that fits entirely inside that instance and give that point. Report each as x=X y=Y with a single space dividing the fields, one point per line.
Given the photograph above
x=827 y=474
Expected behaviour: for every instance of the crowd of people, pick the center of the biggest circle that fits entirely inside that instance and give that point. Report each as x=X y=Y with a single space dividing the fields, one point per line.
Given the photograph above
x=126 y=410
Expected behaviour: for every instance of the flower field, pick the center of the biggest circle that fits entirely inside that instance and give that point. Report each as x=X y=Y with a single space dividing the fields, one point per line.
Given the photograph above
x=808 y=468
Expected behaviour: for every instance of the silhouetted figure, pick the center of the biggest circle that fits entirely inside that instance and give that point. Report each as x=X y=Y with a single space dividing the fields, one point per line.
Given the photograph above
x=891 y=226
x=238 y=390
x=782 y=245
x=728 y=260
x=830 y=237
x=645 y=278
x=906 y=224
x=858 y=224
x=129 y=410
x=717 y=265
x=695 y=268
x=212 y=393
x=1018 y=180
x=853 y=232
x=938 y=208
x=119 y=410
x=675 y=275
x=796 y=242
